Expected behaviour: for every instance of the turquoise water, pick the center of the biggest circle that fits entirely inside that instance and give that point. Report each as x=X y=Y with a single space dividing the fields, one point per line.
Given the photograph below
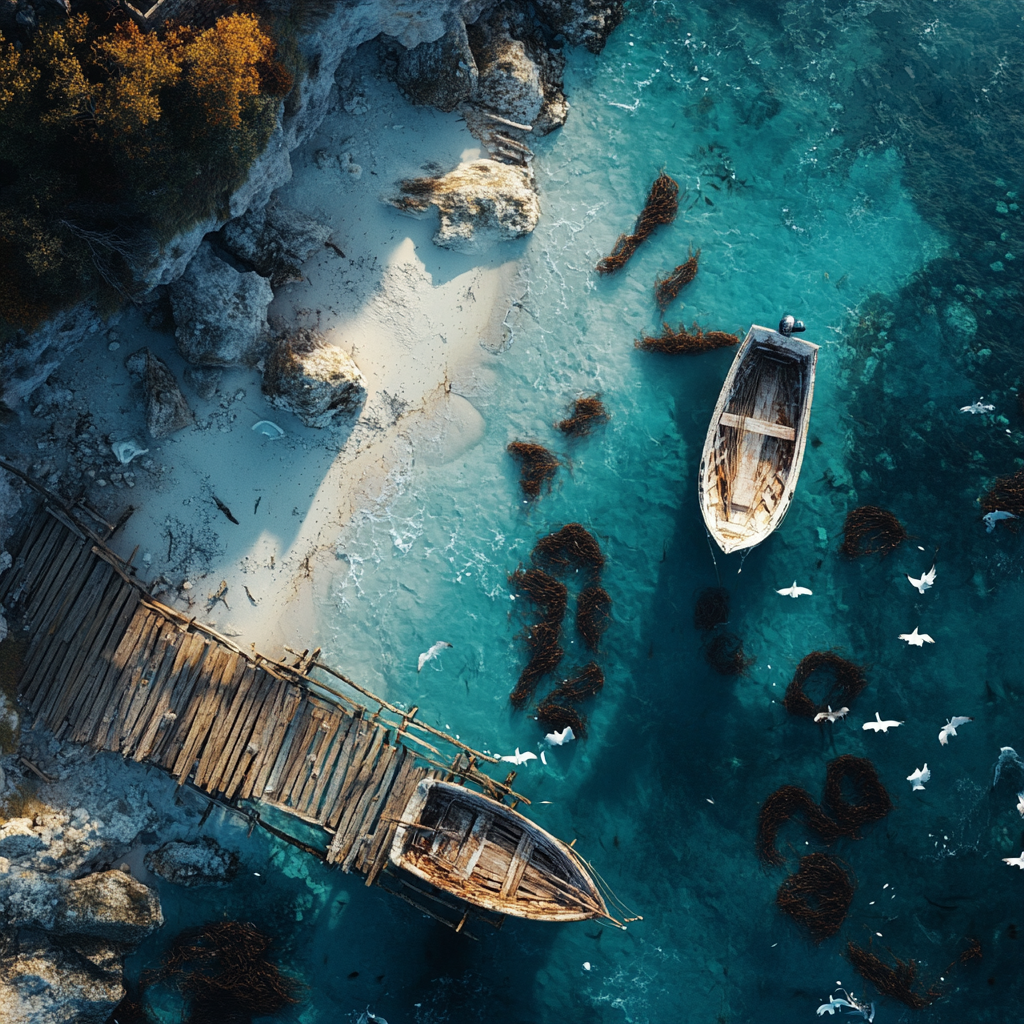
x=857 y=166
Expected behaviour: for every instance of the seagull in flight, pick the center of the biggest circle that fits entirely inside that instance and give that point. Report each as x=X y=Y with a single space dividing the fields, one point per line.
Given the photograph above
x=993 y=517
x=830 y=715
x=950 y=728
x=559 y=739
x=879 y=726
x=431 y=653
x=916 y=639
x=517 y=758
x=794 y=591
x=919 y=776
x=1020 y=803
x=926 y=580
x=1015 y=862
x=976 y=407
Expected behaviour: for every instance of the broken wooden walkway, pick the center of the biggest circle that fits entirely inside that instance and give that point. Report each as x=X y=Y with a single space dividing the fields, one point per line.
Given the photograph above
x=108 y=665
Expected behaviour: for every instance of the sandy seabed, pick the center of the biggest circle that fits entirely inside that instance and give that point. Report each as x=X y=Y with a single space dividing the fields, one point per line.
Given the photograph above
x=422 y=323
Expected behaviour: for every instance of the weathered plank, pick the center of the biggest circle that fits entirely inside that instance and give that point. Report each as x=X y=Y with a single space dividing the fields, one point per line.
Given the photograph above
x=262 y=692
x=220 y=721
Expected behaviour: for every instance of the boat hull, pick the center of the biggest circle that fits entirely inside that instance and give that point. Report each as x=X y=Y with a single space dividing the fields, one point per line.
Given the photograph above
x=755 y=442
x=489 y=855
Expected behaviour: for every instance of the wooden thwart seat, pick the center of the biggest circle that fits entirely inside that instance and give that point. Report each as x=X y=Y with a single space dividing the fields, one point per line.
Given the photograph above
x=730 y=419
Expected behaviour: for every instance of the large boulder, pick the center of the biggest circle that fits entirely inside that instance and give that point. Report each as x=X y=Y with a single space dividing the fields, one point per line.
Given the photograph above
x=220 y=313
x=108 y=906
x=438 y=74
x=167 y=410
x=204 y=862
x=480 y=203
x=317 y=381
x=43 y=983
x=275 y=241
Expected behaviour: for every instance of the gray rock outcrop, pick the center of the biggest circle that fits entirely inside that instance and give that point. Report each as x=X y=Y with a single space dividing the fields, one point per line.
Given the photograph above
x=317 y=381
x=220 y=314
x=204 y=862
x=583 y=22
x=479 y=203
x=46 y=983
x=167 y=411
x=441 y=73
x=275 y=241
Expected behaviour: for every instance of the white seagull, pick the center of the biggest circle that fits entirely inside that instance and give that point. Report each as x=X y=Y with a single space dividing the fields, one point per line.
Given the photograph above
x=1015 y=862
x=517 y=758
x=1020 y=803
x=916 y=639
x=879 y=726
x=993 y=517
x=794 y=591
x=559 y=739
x=432 y=653
x=919 y=776
x=950 y=728
x=830 y=715
x=978 y=406
x=926 y=580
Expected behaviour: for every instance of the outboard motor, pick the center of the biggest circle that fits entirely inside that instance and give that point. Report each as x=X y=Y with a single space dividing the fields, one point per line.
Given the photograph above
x=788 y=326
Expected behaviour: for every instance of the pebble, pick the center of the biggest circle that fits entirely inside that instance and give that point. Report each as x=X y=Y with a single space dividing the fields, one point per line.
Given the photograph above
x=113 y=346
x=101 y=482
x=186 y=585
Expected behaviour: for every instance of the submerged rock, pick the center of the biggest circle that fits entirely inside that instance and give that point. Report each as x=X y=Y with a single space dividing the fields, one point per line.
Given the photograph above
x=203 y=862
x=167 y=411
x=220 y=313
x=43 y=983
x=317 y=381
x=275 y=241
x=439 y=74
x=480 y=203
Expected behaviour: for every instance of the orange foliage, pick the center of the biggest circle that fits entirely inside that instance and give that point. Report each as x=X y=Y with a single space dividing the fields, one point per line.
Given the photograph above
x=223 y=64
x=141 y=65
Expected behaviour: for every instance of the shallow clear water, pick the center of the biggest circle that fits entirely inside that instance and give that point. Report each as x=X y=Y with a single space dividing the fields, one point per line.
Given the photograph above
x=855 y=165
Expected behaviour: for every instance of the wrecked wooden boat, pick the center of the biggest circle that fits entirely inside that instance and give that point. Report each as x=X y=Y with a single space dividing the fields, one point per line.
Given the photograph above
x=756 y=439
x=491 y=856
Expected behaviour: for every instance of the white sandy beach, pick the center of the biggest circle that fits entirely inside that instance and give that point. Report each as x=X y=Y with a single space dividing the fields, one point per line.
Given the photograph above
x=423 y=324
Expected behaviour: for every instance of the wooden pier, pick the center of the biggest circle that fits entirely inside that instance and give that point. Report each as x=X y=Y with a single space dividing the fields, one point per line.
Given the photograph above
x=108 y=665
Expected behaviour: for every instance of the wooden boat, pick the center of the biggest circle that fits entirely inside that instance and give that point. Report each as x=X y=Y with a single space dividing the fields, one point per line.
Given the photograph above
x=491 y=856
x=756 y=439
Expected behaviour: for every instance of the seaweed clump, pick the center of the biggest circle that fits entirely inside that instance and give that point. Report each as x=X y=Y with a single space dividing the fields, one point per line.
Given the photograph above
x=711 y=609
x=593 y=615
x=896 y=982
x=545 y=654
x=1007 y=495
x=818 y=895
x=556 y=710
x=587 y=412
x=845 y=819
x=870 y=530
x=848 y=680
x=661 y=208
x=223 y=971
x=667 y=288
x=537 y=466
x=571 y=545
x=544 y=590
x=724 y=653
x=557 y=716
x=685 y=343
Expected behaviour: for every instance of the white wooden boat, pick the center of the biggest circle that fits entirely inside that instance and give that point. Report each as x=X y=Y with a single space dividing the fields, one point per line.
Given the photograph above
x=491 y=856
x=756 y=439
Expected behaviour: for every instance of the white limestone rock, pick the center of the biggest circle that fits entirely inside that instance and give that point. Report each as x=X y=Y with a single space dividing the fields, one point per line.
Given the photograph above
x=480 y=203
x=275 y=241
x=167 y=411
x=43 y=983
x=317 y=381
x=220 y=313
x=203 y=862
